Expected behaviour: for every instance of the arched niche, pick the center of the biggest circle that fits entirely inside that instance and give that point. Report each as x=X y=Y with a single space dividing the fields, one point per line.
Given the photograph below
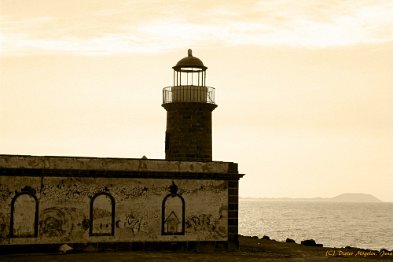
x=173 y=213
x=24 y=215
x=102 y=215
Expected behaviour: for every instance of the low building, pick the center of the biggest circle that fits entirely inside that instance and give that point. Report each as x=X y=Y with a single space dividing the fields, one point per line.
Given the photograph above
x=186 y=199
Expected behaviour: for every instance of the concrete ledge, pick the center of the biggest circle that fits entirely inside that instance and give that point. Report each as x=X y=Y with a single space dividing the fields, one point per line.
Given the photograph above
x=113 y=164
x=204 y=246
x=114 y=174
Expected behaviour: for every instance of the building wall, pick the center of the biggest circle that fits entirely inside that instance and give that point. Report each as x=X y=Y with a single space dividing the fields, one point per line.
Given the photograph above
x=60 y=209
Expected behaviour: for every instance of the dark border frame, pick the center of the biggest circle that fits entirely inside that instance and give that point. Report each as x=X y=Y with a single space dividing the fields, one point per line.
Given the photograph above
x=183 y=223
x=92 y=215
x=35 y=234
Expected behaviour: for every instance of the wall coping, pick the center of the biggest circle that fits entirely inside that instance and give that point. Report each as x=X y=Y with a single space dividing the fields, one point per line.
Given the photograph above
x=114 y=164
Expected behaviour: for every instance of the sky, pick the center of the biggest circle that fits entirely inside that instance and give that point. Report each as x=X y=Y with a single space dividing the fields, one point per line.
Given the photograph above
x=304 y=88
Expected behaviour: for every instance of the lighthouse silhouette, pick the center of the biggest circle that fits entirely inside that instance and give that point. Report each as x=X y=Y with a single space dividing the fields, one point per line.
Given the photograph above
x=189 y=104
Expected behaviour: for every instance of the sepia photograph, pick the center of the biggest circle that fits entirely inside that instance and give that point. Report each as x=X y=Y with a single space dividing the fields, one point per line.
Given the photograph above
x=174 y=130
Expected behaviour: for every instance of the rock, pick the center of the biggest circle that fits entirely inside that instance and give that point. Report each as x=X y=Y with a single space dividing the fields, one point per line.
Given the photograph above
x=90 y=248
x=319 y=245
x=65 y=248
x=309 y=242
x=290 y=240
x=254 y=237
x=348 y=247
x=266 y=237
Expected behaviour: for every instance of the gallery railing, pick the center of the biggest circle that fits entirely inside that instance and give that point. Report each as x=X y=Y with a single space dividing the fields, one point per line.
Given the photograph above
x=190 y=93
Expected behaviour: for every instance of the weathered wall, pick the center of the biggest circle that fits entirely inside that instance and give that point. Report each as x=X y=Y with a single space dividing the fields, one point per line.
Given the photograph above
x=113 y=164
x=90 y=209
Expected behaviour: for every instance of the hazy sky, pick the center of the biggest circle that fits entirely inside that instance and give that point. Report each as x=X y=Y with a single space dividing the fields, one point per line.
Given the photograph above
x=304 y=88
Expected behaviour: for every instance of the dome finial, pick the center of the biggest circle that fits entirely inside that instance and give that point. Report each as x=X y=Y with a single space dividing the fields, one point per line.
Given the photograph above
x=189 y=61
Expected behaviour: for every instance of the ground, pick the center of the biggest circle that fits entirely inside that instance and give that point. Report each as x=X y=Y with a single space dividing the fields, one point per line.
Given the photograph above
x=251 y=249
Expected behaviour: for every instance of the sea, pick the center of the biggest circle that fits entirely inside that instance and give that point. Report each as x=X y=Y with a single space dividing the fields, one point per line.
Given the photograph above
x=333 y=224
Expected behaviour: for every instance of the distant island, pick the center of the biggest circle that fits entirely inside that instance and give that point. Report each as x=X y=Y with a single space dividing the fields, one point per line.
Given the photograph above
x=346 y=197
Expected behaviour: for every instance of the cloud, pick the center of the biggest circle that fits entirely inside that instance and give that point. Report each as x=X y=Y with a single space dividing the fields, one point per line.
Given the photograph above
x=164 y=27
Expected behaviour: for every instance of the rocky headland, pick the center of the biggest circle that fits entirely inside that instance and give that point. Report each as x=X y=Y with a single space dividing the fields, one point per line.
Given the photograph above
x=345 y=198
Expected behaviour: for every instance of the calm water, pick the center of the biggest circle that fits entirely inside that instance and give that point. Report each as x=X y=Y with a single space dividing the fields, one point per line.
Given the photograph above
x=364 y=225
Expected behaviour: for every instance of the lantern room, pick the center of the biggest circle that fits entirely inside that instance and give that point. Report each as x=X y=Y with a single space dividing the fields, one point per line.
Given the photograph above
x=189 y=82
x=189 y=71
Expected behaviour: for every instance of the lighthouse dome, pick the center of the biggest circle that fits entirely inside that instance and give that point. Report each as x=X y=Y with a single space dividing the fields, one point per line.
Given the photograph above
x=189 y=62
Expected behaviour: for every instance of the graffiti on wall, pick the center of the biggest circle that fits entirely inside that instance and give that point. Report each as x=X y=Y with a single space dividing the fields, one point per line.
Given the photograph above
x=56 y=222
x=207 y=223
x=172 y=224
x=131 y=222
x=202 y=222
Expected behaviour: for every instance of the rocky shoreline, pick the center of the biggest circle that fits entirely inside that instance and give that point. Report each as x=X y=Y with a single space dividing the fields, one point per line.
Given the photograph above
x=310 y=249
x=251 y=249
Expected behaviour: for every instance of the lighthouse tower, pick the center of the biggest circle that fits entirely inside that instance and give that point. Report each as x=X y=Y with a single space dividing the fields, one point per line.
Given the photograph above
x=189 y=104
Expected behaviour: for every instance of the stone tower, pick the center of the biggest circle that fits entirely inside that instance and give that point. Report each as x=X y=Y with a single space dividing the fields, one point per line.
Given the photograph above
x=189 y=104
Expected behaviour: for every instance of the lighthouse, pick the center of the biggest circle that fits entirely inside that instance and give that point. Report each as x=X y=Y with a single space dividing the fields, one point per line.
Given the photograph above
x=189 y=104
x=167 y=195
